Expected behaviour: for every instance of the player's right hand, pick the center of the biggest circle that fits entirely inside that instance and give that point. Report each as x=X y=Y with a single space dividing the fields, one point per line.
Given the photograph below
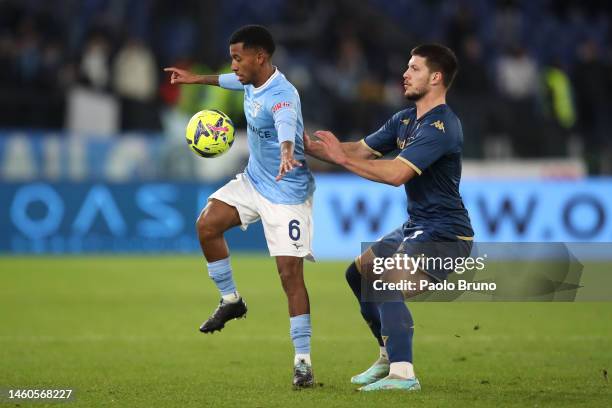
x=331 y=148
x=181 y=76
x=307 y=142
x=315 y=148
x=312 y=147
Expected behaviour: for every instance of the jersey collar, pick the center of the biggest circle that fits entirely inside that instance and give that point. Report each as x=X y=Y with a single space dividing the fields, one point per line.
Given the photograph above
x=432 y=110
x=265 y=84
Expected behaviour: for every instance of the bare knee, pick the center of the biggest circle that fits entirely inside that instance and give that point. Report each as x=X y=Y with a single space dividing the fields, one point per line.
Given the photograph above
x=287 y=277
x=291 y=274
x=216 y=218
x=206 y=227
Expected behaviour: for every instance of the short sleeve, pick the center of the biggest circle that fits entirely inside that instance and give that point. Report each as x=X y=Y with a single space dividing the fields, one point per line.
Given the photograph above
x=230 y=81
x=431 y=143
x=384 y=140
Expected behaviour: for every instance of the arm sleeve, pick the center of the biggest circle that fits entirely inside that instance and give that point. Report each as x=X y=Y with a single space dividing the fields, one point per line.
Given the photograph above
x=384 y=139
x=230 y=81
x=284 y=108
x=286 y=132
x=429 y=145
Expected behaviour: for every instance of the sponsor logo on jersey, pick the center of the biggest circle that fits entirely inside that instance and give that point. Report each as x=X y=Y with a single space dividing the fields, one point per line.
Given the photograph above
x=406 y=121
x=402 y=143
x=280 y=105
x=263 y=134
x=438 y=124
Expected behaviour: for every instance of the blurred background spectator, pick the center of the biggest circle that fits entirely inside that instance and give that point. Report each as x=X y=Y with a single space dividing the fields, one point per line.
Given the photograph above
x=534 y=81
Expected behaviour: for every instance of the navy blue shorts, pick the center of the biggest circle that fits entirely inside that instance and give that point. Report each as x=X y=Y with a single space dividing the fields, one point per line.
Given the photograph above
x=414 y=241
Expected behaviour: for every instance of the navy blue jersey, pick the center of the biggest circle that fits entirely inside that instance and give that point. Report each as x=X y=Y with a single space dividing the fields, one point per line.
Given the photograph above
x=432 y=146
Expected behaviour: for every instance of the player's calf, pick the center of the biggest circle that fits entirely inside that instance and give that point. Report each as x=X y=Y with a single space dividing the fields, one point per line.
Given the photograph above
x=214 y=220
x=291 y=272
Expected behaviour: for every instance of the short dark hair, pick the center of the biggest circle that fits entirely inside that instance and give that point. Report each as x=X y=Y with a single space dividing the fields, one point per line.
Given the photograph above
x=254 y=36
x=439 y=58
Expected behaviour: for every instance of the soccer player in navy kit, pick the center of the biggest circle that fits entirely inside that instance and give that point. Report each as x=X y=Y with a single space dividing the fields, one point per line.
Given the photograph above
x=429 y=140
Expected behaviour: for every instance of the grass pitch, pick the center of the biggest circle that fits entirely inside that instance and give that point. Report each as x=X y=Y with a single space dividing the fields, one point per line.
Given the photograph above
x=123 y=331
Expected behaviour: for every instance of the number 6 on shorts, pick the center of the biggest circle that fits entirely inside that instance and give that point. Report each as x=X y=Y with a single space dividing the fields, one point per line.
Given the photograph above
x=294 y=230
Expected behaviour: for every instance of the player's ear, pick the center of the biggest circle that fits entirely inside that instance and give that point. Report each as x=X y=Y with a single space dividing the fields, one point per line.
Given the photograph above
x=261 y=56
x=436 y=78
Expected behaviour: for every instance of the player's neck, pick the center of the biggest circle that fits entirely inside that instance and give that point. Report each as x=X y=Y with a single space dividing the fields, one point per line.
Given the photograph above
x=266 y=73
x=428 y=102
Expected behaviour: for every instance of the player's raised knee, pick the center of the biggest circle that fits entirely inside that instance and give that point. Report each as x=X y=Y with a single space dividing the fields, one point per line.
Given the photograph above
x=205 y=226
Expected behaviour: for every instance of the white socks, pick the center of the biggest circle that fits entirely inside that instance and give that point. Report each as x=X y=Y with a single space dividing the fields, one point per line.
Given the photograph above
x=305 y=357
x=402 y=369
x=231 y=298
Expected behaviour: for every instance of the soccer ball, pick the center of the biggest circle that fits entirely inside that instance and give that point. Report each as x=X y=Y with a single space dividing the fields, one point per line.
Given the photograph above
x=210 y=133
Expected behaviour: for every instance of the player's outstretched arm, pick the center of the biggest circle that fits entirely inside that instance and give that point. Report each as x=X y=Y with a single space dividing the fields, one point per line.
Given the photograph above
x=358 y=150
x=315 y=149
x=394 y=172
x=182 y=76
x=287 y=162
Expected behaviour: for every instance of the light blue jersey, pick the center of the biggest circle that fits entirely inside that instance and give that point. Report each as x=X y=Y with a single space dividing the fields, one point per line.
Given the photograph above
x=274 y=115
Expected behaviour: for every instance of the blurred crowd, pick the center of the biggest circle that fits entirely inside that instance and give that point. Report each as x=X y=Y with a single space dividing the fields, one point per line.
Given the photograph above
x=534 y=80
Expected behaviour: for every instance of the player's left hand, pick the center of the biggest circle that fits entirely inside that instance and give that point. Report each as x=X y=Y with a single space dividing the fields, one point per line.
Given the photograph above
x=287 y=163
x=331 y=146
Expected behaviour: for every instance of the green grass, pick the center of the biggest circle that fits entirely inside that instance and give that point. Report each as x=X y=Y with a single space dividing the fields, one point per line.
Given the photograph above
x=122 y=331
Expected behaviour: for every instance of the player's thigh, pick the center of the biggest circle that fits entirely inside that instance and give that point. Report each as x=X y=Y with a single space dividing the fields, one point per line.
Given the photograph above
x=411 y=280
x=427 y=254
x=393 y=276
x=288 y=228
x=239 y=195
x=434 y=251
x=218 y=216
x=383 y=248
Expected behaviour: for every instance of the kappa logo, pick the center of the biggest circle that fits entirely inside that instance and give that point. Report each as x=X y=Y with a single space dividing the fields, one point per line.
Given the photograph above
x=438 y=124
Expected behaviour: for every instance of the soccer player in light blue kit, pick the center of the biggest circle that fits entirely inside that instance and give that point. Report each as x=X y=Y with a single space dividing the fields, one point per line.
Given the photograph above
x=276 y=187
